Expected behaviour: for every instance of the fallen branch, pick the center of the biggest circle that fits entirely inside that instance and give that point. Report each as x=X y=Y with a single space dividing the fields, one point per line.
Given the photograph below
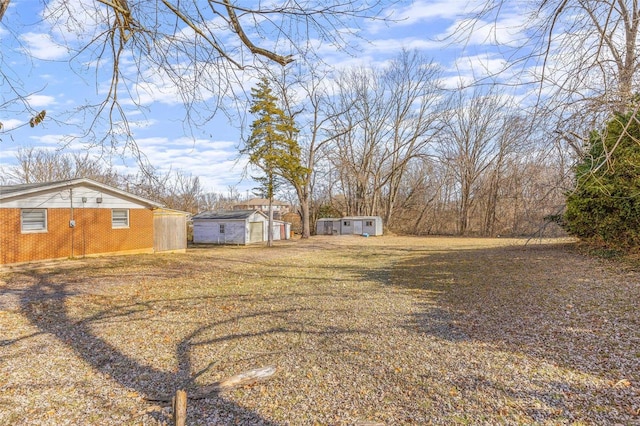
x=242 y=379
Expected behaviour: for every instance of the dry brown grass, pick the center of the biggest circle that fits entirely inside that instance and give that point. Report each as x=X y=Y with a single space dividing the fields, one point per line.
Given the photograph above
x=388 y=330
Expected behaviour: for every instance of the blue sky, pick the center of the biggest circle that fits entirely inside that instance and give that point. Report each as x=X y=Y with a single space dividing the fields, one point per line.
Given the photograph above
x=32 y=54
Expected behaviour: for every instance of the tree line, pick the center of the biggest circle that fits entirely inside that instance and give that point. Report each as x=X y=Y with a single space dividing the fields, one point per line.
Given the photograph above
x=395 y=142
x=392 y=142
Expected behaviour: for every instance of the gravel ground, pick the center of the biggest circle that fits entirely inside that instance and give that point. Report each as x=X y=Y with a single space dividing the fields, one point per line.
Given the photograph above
x=362 y=331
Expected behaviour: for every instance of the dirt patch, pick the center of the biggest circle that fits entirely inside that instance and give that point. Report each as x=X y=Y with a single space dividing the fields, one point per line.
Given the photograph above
x=388 y=330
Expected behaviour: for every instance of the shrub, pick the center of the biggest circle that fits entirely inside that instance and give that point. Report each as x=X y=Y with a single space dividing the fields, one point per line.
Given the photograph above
x=605 y=206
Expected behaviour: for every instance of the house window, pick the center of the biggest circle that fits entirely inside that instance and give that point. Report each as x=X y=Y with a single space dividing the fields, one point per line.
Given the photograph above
x=33 y=220
x=368 y=223
x=346 y=223
x=119 y=218
x=222 y=228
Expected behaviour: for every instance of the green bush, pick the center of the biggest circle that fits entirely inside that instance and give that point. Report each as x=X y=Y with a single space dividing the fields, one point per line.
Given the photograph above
x=605 y=206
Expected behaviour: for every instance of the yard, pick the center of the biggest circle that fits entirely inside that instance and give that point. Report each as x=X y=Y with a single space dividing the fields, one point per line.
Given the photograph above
x=362 y=331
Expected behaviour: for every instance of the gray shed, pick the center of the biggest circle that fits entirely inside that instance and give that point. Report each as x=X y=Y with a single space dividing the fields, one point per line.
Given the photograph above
x=350 y=225
x=361 y=225
x=328 y=226
x=230 y=227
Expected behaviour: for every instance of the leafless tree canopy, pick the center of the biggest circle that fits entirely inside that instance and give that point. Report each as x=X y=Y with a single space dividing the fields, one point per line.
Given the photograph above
x=196 y=47
x=582 y=54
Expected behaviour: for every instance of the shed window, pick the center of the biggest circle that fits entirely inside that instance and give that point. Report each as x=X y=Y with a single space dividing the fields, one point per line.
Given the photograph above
x=33 y=220
x=120 y=218
x=222 y=228
x=368 y=223
x=347 y=223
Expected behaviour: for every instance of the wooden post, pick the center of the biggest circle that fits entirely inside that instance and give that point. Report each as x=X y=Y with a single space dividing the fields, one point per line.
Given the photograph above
x=180 y=408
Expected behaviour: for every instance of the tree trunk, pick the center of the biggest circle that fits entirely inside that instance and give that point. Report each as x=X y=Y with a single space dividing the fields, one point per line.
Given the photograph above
x=306 y=219
x=270 y=230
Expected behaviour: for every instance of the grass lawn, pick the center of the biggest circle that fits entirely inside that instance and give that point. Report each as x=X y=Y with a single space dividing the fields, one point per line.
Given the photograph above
x=362 y=331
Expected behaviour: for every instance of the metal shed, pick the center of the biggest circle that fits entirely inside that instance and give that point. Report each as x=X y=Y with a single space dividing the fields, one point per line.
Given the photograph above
x=328 y=226
x=230 y=227
x=350 y=225
x=361 y=225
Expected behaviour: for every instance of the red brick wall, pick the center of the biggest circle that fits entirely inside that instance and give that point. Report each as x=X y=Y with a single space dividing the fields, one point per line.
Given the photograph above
x=92 y=234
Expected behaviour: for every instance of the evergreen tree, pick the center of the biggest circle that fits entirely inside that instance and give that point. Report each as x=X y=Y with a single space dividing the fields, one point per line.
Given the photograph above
x=605 y=207
x=272 y=146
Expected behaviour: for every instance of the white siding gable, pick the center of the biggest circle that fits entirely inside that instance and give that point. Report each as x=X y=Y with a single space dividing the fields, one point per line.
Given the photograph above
x=67 y=197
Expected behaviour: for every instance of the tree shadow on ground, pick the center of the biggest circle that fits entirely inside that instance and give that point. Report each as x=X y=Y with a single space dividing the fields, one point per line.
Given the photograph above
x=44 y=304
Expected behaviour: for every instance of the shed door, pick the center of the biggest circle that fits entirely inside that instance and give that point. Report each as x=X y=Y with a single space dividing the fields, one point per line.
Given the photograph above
x=357 y=227
x=328 y=228
x=256 y=232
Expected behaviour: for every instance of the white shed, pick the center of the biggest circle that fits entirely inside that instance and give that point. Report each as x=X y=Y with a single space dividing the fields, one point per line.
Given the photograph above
x=361 y=225
x=230 y=227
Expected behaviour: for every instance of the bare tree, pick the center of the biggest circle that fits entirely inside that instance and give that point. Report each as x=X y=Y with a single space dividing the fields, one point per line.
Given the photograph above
x=362 y=126
x=36 y=165
x=413 y=85
x=4 y=4
x=583 y=54
x=469 y=143
x=304 y=96
x=210 y=201
x=390 y=117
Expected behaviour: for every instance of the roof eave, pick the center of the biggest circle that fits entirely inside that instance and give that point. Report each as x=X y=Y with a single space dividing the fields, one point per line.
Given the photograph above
x=76 y=182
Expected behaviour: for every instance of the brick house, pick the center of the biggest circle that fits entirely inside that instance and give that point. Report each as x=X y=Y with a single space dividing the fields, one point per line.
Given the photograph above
x=72 y=218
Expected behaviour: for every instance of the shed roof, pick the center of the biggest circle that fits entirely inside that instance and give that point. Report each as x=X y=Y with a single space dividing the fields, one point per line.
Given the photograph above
x=15 y=191
x=227 y=214
x=361 y=217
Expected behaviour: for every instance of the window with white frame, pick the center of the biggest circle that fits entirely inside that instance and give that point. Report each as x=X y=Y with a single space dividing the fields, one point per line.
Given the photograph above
x=346 y=223
x=33 y=220
x=119 y=218
x=222 y=228
x=368 y=223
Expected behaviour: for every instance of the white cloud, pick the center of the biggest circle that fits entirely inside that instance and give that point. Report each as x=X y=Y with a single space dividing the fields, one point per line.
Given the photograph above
x=10 y=124
x=42 y=46
x=425 y=10
x=37 y=101
x=74 y=20
x=51 y=139
x=213 y=161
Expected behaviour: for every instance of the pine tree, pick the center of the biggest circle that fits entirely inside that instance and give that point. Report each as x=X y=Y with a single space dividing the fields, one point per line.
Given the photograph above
x=272 y=146
x=605 y=207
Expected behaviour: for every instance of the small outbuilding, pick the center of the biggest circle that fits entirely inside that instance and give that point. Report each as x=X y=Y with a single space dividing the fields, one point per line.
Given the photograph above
x=230 y=227
x=361 y=225
x=350 y=225
x=281 y=230
x=236 y=227
x=170 y=230
x=328 y=226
